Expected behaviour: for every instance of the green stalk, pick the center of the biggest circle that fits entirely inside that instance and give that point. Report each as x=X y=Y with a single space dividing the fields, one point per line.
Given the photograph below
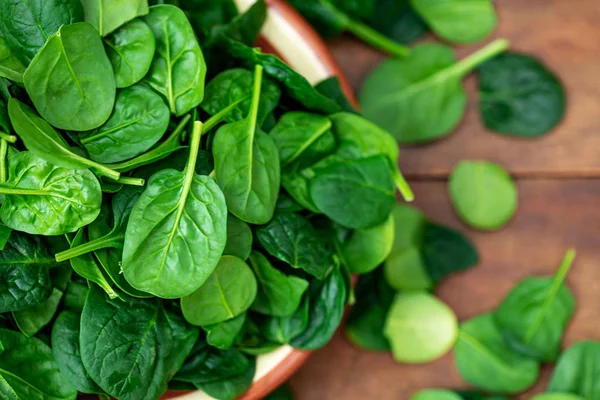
x=101 y=169
x=190 y=168
x=564 y=267
x=131 y=181
x=376 y=39
x=220 y=116
x=8 y=138
x=253 y=115
x=3 y=154
x=110 y=240
x=472 y=61
x=403 y=186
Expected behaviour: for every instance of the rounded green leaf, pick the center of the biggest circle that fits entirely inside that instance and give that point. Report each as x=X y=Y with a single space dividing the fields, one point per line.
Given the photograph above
x=108 y=15
x=239 y=238
x=577 y=371
x=484 y=360
x=366 y=249
x=459 y=21
x=483 y=194
x=227 y=293
x=519 y=96
x=70 y=81
x=130 y=50
x=420 y=328
x=557 y=396
x=405 y=270
x=140 y=118
x=435 y=394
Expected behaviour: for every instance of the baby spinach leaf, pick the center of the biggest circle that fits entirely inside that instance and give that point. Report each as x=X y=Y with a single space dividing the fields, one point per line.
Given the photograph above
x=131 y=348
x=229 y=291
x=366 y=249
x=477 y=18
x=483 y=194
x=357 y=194
x=397 y=20
x=332 y=89
x=130 y=50
x=70 y=81
x=283 y=329
x=24 y=278
x=535 y=314
x=28 y=370
x=296 y=132
x=32 y=319
x=87 y=267
x=177 y=213
x=419 y=99
x=365 y=324
x=75 y=295
x=247 y=165
x=42 y=140
x=326 y=307
x=279 y=295
x=235 y=86
x=10 y=66
x=223 y=335
x=25 y=25
x=178 y=69
x=577 y=371
x=420 y=328
x=435 y=394
x=294 y=84
x=245 y=27
x=108 y=15
x=239 y=238
x=43 y=199
x=230 y=388
x=519 y=96
x=65 y=348
x=485 y=360
x=472 y=395
x=556 y=396
x=140 y=118
x=292 y=239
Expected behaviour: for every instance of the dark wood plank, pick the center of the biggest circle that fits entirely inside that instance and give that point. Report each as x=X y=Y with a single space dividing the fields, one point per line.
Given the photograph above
x=553 y=215
x=564 y=34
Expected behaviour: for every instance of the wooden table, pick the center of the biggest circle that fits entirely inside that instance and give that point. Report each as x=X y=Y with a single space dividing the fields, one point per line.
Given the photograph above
x=559 y=201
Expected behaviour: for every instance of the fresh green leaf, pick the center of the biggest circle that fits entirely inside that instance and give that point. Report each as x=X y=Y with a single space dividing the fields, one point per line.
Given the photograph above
x=239 y=238
x=70 y=81
x=223 y=335
x=332 y=88
x=435 y=394
x=10 y=66
x=75 y=294
x=108 y=15
x=227 y=293
x=483 y=194
x=519 y=96
x=459 y=21
x=534 y=315
x=130 y=50
x=32 y=319
x=485 y=360
x=397 y=20
x=577 y=370
x=557 y=396
x=366 y=249
x=283 y=330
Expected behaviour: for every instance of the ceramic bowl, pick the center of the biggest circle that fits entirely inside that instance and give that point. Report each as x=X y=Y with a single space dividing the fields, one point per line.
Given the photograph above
x=288 y=35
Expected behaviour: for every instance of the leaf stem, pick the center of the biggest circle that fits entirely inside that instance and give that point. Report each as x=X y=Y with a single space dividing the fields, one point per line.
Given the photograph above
x=111 y=240
x=220 y=116
x=403 y=186
x=190 y=168
x=3 y=160
x=8 y=138
x=101 y=169
x=376 y=39
x=131 y=181
x=472 y=61
x=253 y=115
x=565 y=266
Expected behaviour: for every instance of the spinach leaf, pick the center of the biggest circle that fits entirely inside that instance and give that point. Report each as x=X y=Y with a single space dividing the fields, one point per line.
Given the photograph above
x=556 y=396
x=535 y=314
x=397 y=20
x=28 y=370
x=178 y=69
x=10 y=66
x=245 y=28
x=366 y=249
x=235 y=86
x=75 y=295
x=471 y=395
x=239 y=238
x=70 y=81
x=477 y=18
x=25 y=25
x=365 y=324
x=519 y=96
x=130 y=50
x=140 y=118
x=230 y=388
x=326 y=307
x=332 y=89
x=296 y=133
x=419 y=99
x=108 y=15
x=227 y=293
x=178 y=212
x=247 y=164
x=485 y=360
x=292 y=239
x=131 y=348
x=206 y=16
x=279 y=295
x=224 y=334
x=87 y=267
x=483 y=194
x=43 y=199
x=577 y=370
x=42 y=140
x=294 y=84
x=24 y=278
x=420 y=328
x=327 y=17
x=66 y=351
x=283 y=329
x=357 y=194
x=435 y=394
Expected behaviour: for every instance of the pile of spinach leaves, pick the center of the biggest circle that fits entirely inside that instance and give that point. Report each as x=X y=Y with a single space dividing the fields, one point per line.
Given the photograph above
x=174 y=202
